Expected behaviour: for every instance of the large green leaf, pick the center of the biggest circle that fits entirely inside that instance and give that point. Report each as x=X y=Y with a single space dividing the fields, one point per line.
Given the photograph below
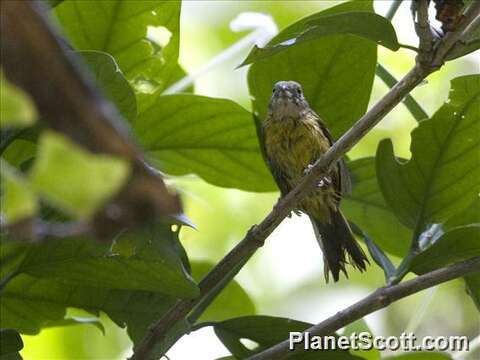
x=360 y=23
x=16 y=106
x=366 y=207
x=29 y=304
x=110 y=80
x=473 y=288
x=455 y=245
x=152 y=265
x=74 y=179
x=119 y=27
x=213 y=138
x=10 y=344
x=336 y=72
x=267 y=331
x=442 y=177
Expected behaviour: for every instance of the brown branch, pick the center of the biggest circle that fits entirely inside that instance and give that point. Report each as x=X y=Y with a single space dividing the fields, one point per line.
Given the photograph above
x=34 y=59
x=379 y=299
x=257 y=234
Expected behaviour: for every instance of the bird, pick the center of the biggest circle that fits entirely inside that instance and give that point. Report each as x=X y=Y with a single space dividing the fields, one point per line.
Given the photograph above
x=293 y=137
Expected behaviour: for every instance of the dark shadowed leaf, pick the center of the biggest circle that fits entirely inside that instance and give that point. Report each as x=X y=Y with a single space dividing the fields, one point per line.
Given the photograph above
x=336 y=72
x=443 y=176
x=266 y=331
x=360 y=23
x=213 y=138
x=455 y=245
x=121 y=30
x=10 y=344
x=153 y=263
x=109 y=79
x=366 y=207
x=473 y=288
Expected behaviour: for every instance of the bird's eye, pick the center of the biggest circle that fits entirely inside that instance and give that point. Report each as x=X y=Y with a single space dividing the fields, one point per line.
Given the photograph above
x=273 y=91
x=299 y=91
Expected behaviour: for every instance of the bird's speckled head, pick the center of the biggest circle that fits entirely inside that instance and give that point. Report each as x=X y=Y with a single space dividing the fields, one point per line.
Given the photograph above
x=287 y=100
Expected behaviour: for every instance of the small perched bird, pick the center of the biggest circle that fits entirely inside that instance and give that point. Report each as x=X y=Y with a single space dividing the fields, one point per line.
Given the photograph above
x=294 y=137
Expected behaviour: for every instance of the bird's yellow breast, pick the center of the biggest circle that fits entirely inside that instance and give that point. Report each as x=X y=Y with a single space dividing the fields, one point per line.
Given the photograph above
x=292 y=144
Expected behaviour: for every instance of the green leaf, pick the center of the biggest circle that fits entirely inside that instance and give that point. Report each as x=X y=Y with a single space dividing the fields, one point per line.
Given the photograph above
x=121 y=31
x=213 y=138
x=470 y=215
x=458 y=244
x=154 y=264
x=109 y=79
x=376 y=253
x=29 y=304
x=473 y=288
x=363 y=24
x=421 y=355
x=16 y=106
x=18 y=201
x=233 y=301
x=442 y=177
x=366 y=207
x=74 y=179
x=10 y=344
x=336 y=72
x=267 y=331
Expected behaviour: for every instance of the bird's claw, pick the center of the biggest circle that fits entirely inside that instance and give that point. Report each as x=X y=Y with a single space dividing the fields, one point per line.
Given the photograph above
x=325 y=181
x=307 y=169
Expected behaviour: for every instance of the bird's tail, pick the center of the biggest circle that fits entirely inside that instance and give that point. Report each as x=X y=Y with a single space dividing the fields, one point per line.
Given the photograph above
x=338 y=245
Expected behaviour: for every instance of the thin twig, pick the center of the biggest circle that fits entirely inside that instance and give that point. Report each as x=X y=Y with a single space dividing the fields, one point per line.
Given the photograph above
x=424 y=32
x=377 y=300
x=257 y=234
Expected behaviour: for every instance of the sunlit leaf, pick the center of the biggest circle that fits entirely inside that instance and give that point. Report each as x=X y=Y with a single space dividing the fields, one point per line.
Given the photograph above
x=74 y=179
x=213 y=138
x=16 y=107
x=360 y=23
x=18 y=201
x=336 y=72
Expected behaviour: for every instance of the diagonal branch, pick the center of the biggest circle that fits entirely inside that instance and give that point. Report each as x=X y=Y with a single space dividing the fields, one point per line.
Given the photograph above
x=379 y=299
x=34 y=59
x=228 y=267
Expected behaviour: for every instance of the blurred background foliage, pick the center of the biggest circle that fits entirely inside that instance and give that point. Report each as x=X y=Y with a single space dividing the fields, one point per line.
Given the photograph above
x=285 y=277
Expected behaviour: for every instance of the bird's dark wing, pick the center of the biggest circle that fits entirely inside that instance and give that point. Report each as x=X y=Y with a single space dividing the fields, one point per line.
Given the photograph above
x=343 y=184
x=277 y=174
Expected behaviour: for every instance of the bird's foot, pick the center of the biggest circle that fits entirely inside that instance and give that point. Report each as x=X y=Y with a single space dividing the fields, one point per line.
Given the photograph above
x=325 y=181
x=307 y=169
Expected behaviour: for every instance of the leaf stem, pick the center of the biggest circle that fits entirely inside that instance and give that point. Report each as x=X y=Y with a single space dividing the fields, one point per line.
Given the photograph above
x=393 y=9
x=412 y=105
